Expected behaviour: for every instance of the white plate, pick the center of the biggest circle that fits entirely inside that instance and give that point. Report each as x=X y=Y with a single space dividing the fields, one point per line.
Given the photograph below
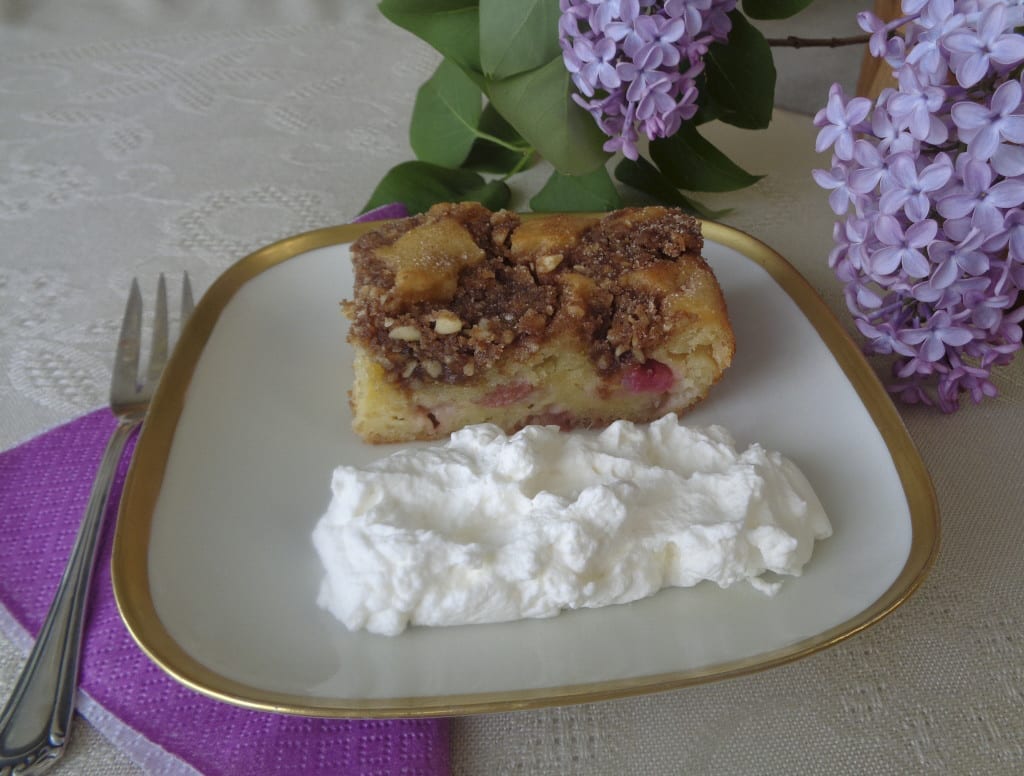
x=216 y=576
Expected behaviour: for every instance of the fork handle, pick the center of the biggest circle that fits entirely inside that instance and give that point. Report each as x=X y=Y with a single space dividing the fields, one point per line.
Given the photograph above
x=35 y=723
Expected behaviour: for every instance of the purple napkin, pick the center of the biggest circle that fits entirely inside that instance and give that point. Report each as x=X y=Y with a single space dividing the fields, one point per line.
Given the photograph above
x=384 y=212
x=161 y=724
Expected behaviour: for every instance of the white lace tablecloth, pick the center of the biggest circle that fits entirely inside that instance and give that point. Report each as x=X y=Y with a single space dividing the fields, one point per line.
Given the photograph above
x=139 y=136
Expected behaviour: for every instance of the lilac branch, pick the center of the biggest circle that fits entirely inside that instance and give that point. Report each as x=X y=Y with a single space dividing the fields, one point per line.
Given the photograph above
x=794 y=41
x=928 y=182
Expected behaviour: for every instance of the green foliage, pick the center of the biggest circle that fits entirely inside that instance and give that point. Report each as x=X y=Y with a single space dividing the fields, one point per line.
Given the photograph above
x=538 y=104
x=593 y=192
x=445 y=116
x=517 y=36
x=418 y=185
x=644 y=176
x=498 y=148
x=691 y=162
x=773 y=9
x=450 y=26
x=741 y=77
x=502 y=98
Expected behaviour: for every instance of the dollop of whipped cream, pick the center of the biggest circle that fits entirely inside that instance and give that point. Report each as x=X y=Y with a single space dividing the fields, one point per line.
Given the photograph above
x=488 y=527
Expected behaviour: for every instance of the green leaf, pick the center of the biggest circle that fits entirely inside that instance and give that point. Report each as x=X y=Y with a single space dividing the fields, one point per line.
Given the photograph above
x=493 y=195
x=741 y=77
x=705 y=112
x=418 y=185
x=445 y=116
x=517 y=36
x=773 y=9
x=538 y=105
x=644 y=176
x=450 y=26
x=593 y=192
x=693 y=163
x=488 y=156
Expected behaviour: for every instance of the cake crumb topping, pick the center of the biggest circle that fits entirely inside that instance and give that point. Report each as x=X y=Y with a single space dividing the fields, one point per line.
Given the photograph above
x=443 y=295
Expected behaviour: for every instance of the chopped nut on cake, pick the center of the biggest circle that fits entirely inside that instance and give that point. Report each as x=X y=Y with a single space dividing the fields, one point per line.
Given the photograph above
x=462 y=315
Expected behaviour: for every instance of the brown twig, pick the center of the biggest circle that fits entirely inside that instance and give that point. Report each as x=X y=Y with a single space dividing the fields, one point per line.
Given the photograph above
x=794 y=41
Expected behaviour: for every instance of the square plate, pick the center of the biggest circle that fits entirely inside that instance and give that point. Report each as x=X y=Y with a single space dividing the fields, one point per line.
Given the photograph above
x=216 y=577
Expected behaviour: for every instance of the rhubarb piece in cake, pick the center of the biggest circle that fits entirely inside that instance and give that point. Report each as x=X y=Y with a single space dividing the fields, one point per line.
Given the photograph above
x=462 y=316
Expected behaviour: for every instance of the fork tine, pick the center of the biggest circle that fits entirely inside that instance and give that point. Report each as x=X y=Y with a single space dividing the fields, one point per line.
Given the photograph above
x=159 y=346
x=187 y=304
x=126 y=360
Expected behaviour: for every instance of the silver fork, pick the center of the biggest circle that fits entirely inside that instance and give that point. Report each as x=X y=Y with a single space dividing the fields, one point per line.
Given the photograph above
x=36 y=722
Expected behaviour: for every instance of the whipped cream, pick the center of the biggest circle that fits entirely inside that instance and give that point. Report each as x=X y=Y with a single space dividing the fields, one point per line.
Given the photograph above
x=489 y=527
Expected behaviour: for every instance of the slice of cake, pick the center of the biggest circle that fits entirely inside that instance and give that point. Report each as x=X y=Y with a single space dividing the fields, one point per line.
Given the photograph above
x=462 y=316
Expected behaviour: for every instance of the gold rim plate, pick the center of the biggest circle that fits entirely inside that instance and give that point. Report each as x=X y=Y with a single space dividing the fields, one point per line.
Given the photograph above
x=149 y=578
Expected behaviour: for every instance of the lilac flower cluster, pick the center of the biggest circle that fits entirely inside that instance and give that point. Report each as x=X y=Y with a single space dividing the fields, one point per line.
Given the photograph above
x=929 y=182
x=635 y=62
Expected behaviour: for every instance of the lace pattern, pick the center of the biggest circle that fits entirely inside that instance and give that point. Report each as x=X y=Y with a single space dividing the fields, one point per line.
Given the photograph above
x=186 y=146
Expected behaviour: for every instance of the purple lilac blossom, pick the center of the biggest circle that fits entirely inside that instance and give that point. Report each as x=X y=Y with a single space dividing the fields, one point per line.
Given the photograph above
x=635 y=63
x=928 y=183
